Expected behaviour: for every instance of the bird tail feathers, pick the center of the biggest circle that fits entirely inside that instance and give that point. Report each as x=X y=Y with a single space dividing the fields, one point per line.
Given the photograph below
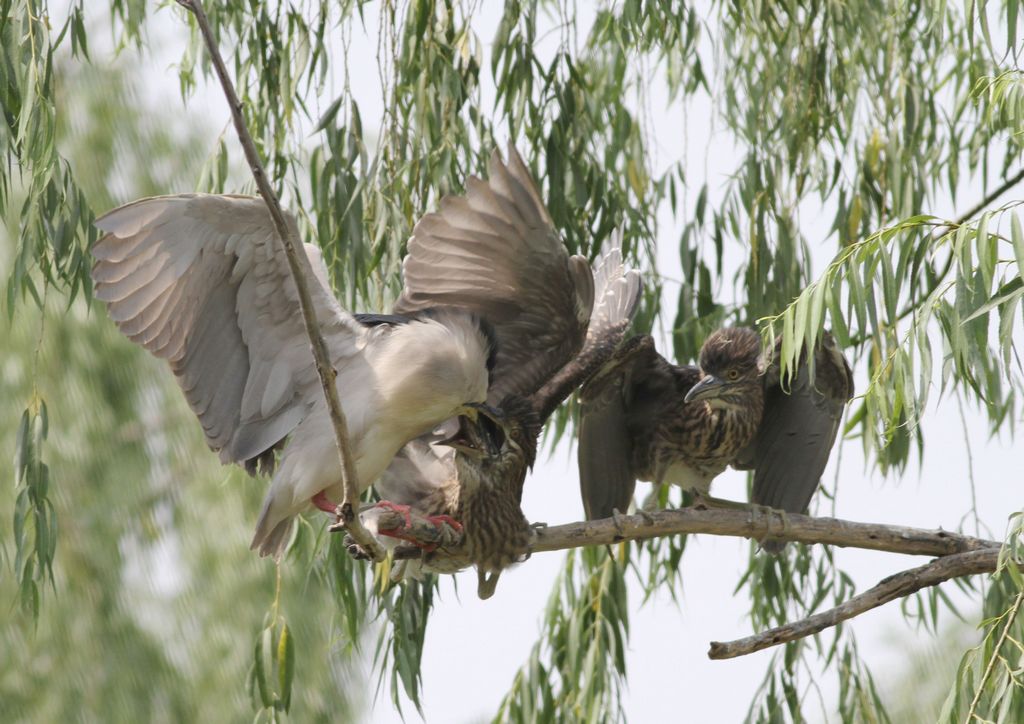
x=273 y=532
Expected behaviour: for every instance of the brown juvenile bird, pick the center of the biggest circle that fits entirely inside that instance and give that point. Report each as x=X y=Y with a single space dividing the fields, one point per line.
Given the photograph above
x=491 y=458
x=495 y=253
x=648 y=419
x=474 y=470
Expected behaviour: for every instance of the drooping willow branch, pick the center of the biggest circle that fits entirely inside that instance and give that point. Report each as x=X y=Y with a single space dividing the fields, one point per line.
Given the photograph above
x=297 y=263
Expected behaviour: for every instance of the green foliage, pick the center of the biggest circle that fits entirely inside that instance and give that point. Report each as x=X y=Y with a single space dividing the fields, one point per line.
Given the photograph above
x=989 y=685
x=54 y=218
x=577 y=670
x=273 y=668
x=35 y=522
x=879 y=113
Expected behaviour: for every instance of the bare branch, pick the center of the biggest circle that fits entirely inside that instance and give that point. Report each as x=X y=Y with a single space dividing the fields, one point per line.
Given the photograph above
x=714 y=521
x=298 y=263
x=758 y=524
x=889 y=589
x=960 y=555
x=988 y=199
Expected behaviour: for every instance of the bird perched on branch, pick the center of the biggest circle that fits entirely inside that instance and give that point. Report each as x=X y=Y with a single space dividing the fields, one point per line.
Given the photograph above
x=202 y=281
x=645 y=418
x=495 y=252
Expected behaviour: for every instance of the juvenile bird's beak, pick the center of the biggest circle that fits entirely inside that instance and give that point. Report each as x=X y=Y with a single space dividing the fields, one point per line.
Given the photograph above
x=481 y=431
x=467 y=439
x=708 y=388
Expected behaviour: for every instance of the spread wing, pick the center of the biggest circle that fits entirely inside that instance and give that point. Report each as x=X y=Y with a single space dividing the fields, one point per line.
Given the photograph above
x=495 y=252
x=799 y=429
x=202 y=282
x=615 y=301
x=617 y=295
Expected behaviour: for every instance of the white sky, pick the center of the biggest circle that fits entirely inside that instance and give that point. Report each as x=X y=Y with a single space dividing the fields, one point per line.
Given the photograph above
x=474 y=648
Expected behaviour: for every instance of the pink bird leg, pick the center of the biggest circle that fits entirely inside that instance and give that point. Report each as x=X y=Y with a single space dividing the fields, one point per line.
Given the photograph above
x=320 y=500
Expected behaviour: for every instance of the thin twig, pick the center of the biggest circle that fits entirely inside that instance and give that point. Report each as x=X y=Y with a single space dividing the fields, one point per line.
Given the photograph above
x=1011 y=615
x=889 y=589
x=944 y=229
x=299 y=264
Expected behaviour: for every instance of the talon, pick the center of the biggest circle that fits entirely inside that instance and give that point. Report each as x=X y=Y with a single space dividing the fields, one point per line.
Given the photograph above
x=784 y=519
x=439 y=520
x=405 y=510
x=617 y=521
x=646 y=515
x=358 y=552
x=538 y=526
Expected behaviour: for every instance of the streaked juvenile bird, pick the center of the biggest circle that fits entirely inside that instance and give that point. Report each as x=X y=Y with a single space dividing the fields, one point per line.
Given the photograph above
x=644 y=418
x=202 y=281
x=495 y=251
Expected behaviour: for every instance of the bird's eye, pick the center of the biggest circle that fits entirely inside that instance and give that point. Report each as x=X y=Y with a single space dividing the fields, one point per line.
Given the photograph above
x=733 y=374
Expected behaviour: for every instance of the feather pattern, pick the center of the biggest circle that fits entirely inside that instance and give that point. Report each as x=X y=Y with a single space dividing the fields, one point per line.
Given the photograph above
x=495 y=252
x=227 y=323
x=485 y=493
x=202 y=281
x=741 y=416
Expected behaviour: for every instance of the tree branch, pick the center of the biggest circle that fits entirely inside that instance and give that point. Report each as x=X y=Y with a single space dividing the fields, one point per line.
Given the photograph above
x=298 y=263
x=960 y=555
x=988 y=199
x=736 y=523
x=758 y=524
x=889 y=589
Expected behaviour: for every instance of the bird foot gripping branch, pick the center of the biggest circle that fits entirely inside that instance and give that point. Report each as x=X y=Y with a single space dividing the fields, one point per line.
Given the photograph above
x=427 y=534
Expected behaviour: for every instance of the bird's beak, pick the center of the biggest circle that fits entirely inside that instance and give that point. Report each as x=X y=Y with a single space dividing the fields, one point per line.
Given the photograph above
x=467 y=439
x=472 y=410
x=708 y=388
x=480 y=433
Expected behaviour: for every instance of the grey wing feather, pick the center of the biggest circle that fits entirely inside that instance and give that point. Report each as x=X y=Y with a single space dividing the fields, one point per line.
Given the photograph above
x=607 y=479
x=495 y=252
x=799 y=429
x=201 y=281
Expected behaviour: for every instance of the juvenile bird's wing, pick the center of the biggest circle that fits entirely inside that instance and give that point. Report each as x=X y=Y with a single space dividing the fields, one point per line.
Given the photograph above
x=607 y=479
x=799 y=429
x=202 y=281
x=607 y=432
x=495 y=252
x=617 y=295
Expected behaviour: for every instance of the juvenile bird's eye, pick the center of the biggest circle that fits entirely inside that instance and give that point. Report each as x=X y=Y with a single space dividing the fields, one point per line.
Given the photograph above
x=733 y=374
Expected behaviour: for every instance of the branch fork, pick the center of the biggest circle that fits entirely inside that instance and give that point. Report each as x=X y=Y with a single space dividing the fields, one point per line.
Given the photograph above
x=958 y=555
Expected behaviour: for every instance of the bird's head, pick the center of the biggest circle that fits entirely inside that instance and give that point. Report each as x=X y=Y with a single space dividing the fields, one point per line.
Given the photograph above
x=491 y=438
x=730 y=365
x=437 y=364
